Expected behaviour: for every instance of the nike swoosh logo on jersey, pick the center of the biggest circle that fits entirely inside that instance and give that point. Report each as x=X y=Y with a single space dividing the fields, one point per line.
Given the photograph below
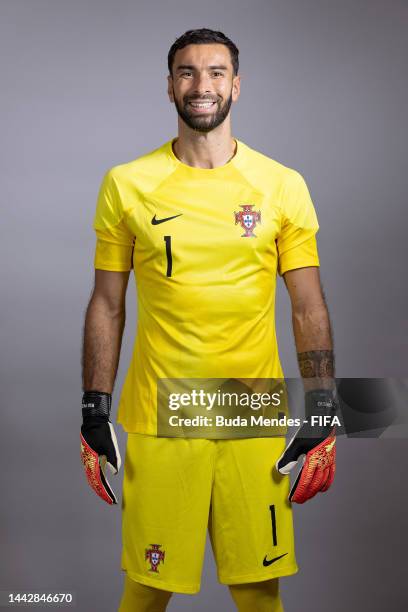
x=157 y=221
x=266 y=562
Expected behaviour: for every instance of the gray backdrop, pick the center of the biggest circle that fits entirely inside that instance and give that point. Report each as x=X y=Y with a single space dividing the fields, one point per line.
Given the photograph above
x=83 y=88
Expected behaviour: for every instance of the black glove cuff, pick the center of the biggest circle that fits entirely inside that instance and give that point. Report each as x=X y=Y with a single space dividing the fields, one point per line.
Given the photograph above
x=96 y=403
x=320 y=402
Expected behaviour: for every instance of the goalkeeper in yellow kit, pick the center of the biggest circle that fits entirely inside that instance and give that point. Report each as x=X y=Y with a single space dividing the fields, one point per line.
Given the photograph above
x=207 y=223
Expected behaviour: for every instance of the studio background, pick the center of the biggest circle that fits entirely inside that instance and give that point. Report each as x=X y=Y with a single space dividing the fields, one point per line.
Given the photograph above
x=83 y=88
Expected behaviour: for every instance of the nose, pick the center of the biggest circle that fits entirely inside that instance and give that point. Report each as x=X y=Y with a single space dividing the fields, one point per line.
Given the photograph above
x=201 y=83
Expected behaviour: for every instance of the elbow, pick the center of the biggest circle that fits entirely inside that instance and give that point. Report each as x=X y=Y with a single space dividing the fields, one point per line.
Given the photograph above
x=315 y=314
x=307 y=309
x=111 y=309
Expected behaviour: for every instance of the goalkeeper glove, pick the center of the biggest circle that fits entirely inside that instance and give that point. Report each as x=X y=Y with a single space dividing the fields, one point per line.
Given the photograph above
x=317 y=443
x=99 y=446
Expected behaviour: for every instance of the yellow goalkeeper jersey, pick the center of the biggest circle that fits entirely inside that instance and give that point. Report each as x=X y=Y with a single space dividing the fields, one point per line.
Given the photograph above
x=206 y=246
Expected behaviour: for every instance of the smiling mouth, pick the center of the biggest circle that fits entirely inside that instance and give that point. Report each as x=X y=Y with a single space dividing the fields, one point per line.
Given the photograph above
x=201 y=106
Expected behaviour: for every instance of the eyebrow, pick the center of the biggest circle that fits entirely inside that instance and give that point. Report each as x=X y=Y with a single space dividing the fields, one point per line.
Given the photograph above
x=188 y=67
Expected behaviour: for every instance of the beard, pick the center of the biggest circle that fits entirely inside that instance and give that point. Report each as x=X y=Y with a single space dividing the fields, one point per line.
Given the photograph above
x=207 y=122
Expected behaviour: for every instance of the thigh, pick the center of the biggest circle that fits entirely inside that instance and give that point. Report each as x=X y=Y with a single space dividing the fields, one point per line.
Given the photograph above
x=251 y=520
x=138 y=597
x=166 y=499
x=259 y=596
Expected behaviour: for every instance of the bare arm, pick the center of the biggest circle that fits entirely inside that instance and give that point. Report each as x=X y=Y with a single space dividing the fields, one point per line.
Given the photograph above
x=311 y=327
x=103 y=330
x=314 y=439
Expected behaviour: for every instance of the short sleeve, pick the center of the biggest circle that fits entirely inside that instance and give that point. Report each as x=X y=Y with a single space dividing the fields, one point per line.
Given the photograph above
x=296 y=242
x=114 y=240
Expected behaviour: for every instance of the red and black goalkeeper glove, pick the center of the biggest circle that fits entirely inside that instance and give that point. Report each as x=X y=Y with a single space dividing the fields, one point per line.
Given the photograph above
x=99 y=447
x=316 y=440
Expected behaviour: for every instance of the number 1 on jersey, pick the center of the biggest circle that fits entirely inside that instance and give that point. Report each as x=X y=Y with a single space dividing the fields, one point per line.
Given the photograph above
x=167 y=240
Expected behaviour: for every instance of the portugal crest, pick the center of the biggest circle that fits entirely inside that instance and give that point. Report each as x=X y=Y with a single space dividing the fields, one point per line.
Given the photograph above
x=247 y=218
x=155 y=556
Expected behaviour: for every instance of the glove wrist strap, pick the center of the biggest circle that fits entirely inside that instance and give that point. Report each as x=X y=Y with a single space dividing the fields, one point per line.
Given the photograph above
x=320 y=402
x=96 y=403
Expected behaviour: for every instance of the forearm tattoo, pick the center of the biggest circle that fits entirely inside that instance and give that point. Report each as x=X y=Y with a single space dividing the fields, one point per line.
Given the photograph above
x=316 y=364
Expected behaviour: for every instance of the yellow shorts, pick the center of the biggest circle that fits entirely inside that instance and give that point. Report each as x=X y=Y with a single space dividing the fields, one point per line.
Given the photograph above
x=174 y=488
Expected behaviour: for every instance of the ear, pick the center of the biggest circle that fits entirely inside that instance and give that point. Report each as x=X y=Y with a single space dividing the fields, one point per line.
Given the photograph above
x=236 y=87
x=170 y=88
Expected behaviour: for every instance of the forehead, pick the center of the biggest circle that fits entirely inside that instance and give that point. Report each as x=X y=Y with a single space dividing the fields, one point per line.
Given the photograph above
x=201 y=56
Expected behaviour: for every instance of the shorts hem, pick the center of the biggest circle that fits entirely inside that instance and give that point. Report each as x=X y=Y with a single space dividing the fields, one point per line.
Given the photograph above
x=163 y=584
x=244 y=578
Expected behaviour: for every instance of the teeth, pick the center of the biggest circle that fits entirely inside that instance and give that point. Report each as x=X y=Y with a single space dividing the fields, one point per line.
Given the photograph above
x=201 y=104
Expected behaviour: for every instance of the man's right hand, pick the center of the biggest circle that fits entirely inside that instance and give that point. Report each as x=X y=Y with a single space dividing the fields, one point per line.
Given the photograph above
x=99 y=447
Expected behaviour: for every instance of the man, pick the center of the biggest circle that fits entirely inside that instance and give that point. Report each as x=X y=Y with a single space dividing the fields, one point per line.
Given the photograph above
x=206 y=222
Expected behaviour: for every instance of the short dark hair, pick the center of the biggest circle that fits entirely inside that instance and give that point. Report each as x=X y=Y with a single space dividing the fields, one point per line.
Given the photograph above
x=203 y=36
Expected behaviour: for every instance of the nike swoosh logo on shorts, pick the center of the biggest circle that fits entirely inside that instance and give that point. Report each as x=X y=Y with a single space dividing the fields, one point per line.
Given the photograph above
x=266 y=562
x=157 y=221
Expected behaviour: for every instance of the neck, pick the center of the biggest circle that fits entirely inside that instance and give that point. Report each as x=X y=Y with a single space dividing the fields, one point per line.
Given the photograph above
x=205 y=150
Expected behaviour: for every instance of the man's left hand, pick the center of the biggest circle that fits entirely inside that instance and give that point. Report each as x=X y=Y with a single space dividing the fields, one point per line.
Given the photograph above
x=317 y=443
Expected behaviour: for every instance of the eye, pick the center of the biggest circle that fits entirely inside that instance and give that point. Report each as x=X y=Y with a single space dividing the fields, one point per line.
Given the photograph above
x=217 y=73
x=186 y=73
